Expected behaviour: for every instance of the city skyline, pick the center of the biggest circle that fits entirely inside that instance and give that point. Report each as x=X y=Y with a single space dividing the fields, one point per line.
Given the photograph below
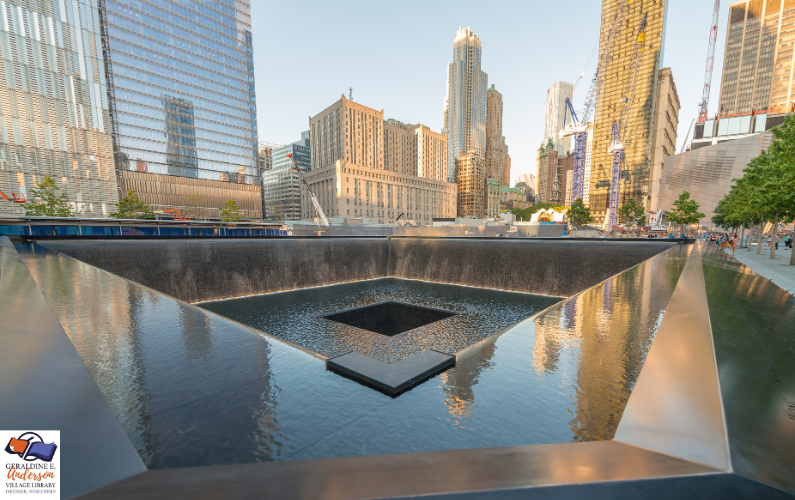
x=417 y=79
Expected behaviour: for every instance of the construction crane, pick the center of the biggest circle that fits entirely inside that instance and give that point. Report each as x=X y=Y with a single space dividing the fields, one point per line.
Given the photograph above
x=320 y=213
x=618 y=135
x=713 y=38
x=578 y=127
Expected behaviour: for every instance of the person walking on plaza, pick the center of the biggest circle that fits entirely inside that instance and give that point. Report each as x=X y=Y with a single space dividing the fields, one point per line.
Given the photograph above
x=769 y=243
x=788 y=241
x=733 y=243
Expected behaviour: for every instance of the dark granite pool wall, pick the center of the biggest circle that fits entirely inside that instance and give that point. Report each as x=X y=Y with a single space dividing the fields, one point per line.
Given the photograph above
x=550 y=267
x=200 y=270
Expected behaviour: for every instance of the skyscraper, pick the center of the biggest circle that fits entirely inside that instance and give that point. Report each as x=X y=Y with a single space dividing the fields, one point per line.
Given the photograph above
x=54 y=117
x=638 y=141
x=465 y=102
x=498 y=165
x=555 y=115
x=183 y=99
x=281 y=185
x=757 y=89
x=757 y=65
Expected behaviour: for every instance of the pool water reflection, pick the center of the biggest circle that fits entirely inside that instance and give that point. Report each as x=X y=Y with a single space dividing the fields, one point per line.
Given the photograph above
x=192 y=388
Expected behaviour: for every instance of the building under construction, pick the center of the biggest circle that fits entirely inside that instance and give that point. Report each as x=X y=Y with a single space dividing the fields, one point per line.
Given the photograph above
x=635 y=175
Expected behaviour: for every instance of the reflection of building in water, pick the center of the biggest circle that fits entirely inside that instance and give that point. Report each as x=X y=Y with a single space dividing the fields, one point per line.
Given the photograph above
x=609 y=330
x=459 y=381
x=180 y=137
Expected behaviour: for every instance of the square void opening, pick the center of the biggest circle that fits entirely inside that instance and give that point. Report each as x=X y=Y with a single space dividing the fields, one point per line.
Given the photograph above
x=389 y=318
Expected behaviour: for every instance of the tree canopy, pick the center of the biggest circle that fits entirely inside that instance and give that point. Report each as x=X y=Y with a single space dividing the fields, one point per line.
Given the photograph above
x=47 y=202
x=685 y=211
x=230 y=212
x=766 y=191
x=631 y=215
x=130 y=207
x=579 y=214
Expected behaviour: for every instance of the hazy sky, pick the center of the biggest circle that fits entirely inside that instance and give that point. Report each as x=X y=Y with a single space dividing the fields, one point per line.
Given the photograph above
x=395 y=56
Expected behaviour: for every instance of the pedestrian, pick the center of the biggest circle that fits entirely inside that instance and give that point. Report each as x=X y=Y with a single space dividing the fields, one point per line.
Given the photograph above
x=769 y=242
x=788 y=241
x=734 y=243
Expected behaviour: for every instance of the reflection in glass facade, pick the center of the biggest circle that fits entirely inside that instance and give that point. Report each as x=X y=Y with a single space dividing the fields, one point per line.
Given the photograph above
x=465 y=103
x=184 y=87
x=54 y=118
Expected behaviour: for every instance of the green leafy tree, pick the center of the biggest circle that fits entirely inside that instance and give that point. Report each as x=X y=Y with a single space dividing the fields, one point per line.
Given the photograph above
x=131 y=207
x=47 y=202
x=579 y=214
x=685 y=212
x=631 y=215
x=195 y=207
x=230 y=212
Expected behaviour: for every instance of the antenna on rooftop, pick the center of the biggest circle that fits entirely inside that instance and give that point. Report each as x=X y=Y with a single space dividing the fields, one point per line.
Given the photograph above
x=350 y=93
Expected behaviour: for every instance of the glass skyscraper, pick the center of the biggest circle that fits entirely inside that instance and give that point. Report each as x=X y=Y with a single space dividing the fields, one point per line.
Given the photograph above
x=465 y=103
x=54 y=117
x=183 y=78
x=281 y=184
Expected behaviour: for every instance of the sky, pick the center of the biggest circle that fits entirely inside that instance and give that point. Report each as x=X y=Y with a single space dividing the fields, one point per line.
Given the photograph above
x=395 y=55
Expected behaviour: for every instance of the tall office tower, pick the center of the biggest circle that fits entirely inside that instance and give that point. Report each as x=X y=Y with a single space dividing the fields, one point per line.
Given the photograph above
x=757 y=65
x=555 y=115
x=465 y=102
x=635 y=176
x=665 y=125
x=547 y=172
x=183 y=102
x=54 y=117
x=363 y=166
x=472 y=185
x=281 y=185
x=498 y=166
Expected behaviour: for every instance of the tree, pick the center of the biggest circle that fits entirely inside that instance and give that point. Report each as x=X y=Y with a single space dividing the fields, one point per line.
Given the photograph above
x=230 y=212
x=130 y=207
x=46 y=202
x=195 y=207
x=631 y=215
x=685 y=212
x=579 y=214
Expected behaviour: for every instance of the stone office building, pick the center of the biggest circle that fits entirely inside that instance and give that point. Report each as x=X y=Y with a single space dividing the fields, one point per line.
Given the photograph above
x=365 y=167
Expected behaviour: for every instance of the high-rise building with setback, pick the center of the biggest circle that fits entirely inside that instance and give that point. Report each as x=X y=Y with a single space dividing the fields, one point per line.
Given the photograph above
x=638 y=143
x=498 y=163
x=365 y=167
x=54 y=118
x=556 y=114
x=757 y=90
x=665 y=127
x=465 y=102
x=472 y=185
x=183 y=101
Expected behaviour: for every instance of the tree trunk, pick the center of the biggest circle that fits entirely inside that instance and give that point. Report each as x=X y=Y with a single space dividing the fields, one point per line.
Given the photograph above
x=742 y=235
x=750 y=234
x=775 y=237
x=759 y=241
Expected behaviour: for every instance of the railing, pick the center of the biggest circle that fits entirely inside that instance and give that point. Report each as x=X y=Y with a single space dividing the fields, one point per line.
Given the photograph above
x=67 y=227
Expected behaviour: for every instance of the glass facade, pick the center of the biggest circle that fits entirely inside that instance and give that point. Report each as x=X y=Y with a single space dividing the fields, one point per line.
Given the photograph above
x=54 y=118
x=183 y=78
x=281 y=185
x=465 y=103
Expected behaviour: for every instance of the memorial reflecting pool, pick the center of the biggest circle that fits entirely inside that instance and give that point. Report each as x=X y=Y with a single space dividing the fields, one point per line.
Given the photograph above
x=193 y=388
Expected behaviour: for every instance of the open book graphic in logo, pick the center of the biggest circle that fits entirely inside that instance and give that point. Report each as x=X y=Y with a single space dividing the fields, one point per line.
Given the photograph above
x=30 y=447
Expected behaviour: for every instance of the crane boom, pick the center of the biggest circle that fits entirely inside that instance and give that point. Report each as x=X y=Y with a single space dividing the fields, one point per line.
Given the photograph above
x=619 y=130
x=318 y=209
x=713 y=38
x=579 y=126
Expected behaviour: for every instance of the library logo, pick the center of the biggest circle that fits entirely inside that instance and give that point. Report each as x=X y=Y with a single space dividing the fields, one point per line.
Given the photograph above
x=31 y=463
